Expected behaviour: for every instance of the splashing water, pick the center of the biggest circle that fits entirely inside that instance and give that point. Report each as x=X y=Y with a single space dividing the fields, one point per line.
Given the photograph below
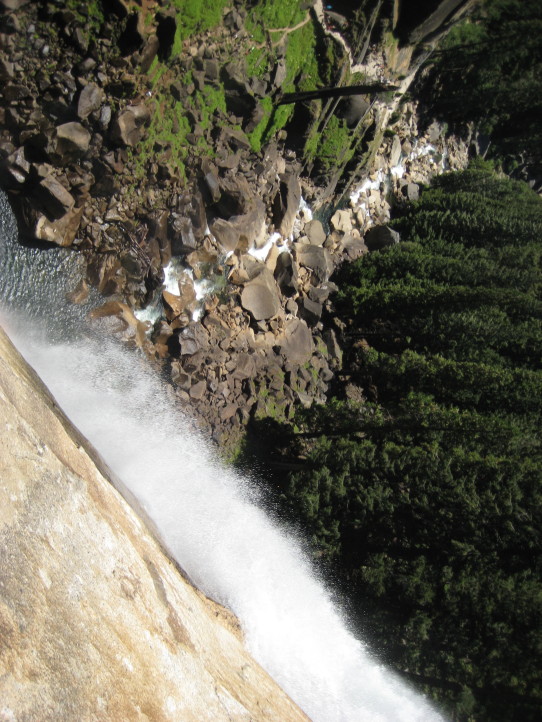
x=208 y=517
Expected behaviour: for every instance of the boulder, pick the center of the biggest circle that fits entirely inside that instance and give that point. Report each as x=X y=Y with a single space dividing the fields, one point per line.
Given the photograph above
x=17 y=167
x=395 y=153
x=286 y=274
x=286 y=203
x=128 y=126
x=175 y=304
x=53 y=199
x=148 y=53
x=97 y=622
x=245 y=366
x=61 y=231
x=310 y=311
x=379 y=237
x=226 y=233
x=295 y=341
x=411 y=191
x=317 y=260
x=197 y=390
x=260 y=297
x=342 y=221
x=181 y=231
x=243 y=230
x=435 y=131
x=72 y=141
x=353 y=246
x=333 y=348
x=13 y=4
x=236 y=139
x=315 y=233
x=16 y=91
x=132 y=329
x=90 y=100
x=7 y=71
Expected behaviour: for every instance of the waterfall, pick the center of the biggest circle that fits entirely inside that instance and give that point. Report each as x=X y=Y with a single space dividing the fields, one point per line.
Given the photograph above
x=208 y=516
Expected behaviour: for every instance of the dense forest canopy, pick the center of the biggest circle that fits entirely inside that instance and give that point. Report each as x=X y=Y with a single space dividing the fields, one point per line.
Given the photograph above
x=428 y=497
x=489 y=72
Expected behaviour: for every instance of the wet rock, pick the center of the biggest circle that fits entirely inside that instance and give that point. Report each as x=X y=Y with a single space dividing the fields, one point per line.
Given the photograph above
x=158 y=229
x=181 y=233
x=260 y=297
x=79 y=294
x=196 y=646
x=131 y=328
x=380 y=237
x=184 y=301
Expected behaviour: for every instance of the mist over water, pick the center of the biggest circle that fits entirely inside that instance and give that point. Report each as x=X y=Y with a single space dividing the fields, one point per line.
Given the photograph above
x=207 y=515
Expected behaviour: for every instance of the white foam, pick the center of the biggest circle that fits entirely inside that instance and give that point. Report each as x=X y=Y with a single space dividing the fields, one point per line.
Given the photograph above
x=211 y=521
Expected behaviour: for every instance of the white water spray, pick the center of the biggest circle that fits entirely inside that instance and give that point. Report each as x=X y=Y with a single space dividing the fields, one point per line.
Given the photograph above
x=207 y=515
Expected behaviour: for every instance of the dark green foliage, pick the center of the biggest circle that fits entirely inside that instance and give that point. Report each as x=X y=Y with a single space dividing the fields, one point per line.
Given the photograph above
x=490 y=72
x=429 y=502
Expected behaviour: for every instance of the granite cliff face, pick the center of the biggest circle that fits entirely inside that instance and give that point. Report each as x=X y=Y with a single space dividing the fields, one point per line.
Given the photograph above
x=96 y=623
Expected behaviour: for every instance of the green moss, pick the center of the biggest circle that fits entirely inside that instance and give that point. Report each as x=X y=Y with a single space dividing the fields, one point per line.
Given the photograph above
x=90 y=14
x=260 y=130
x=257 y=62
x=333 y=145
x=301 y=62
x=195 y=16
x=273 y=15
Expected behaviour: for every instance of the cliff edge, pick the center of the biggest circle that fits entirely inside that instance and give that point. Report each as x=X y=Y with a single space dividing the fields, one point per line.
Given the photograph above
x=96 y=623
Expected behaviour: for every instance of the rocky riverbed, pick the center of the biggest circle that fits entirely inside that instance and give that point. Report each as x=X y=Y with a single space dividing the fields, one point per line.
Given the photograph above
x=203 y=244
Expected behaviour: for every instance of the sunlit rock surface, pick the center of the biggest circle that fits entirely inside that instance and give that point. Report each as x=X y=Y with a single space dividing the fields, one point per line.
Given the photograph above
x=96 y=623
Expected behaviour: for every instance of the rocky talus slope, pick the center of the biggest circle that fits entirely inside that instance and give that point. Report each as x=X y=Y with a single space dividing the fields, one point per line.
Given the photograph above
x=118 y=148
x=96 y=623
